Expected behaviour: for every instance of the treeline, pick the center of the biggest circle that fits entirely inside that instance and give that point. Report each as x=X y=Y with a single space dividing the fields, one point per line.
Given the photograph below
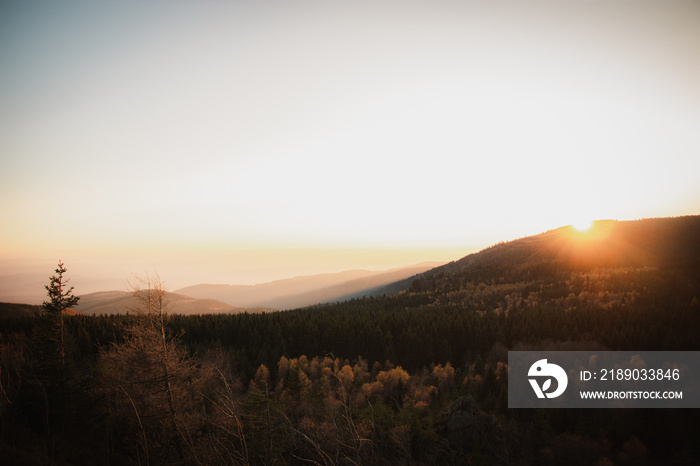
x=418 y=378
x=455 y=318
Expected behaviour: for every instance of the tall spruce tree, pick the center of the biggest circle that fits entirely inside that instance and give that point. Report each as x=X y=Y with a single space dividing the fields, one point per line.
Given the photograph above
x=61 y=299
x=51 y=343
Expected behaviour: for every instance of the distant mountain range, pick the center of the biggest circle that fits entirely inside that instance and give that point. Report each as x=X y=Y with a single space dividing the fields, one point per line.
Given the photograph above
x=277 y=295
x=305 y=291
x=284 y=294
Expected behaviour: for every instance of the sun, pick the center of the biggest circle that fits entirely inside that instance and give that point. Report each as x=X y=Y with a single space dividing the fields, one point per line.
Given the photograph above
x=582 y=225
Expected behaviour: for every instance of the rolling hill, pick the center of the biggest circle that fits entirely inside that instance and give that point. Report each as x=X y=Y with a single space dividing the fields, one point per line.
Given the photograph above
x=216 y=299
x=120 y=302
x=18 y=310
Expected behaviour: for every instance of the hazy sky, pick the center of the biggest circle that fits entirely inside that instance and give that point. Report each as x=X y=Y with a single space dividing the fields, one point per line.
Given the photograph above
x=218 y=141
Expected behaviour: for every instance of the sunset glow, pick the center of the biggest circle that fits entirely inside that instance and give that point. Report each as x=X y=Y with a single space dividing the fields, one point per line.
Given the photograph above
x=241 y=142
x=583 y=225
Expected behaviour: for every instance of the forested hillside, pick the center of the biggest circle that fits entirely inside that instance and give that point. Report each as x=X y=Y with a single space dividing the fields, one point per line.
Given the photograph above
x=418 y=377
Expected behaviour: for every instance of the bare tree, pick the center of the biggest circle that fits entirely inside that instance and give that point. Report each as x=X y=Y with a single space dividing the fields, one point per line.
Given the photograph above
x=151 y=296
x=152 y=382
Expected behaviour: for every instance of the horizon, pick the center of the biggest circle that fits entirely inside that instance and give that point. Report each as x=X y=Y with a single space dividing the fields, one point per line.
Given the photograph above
x=30 y=290
x=240 y=144
x=27 y=285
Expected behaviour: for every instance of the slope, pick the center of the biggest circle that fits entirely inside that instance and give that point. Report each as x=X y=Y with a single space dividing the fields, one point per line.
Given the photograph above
x=657 y=243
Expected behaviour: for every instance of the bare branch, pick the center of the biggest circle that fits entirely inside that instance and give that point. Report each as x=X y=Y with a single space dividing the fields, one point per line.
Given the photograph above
x=143 y=431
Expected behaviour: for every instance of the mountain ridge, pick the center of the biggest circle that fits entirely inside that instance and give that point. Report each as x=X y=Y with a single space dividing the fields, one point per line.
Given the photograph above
x=655 y=242
x=649 y=242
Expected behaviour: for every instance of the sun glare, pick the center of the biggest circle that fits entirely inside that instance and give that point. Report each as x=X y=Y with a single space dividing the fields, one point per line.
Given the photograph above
x=583 y=225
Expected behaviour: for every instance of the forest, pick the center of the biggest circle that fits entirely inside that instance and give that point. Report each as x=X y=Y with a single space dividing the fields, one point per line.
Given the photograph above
x=414 y=377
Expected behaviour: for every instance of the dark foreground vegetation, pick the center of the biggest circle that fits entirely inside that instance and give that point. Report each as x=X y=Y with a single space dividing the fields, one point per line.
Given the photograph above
x=415 y=378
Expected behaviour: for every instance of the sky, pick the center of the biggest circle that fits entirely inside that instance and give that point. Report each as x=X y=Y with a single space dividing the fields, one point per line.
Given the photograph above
x=241 y=142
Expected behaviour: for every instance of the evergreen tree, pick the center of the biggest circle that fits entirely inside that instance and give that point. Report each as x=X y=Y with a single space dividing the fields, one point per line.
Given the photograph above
x=52 y=343
x=61 y=299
